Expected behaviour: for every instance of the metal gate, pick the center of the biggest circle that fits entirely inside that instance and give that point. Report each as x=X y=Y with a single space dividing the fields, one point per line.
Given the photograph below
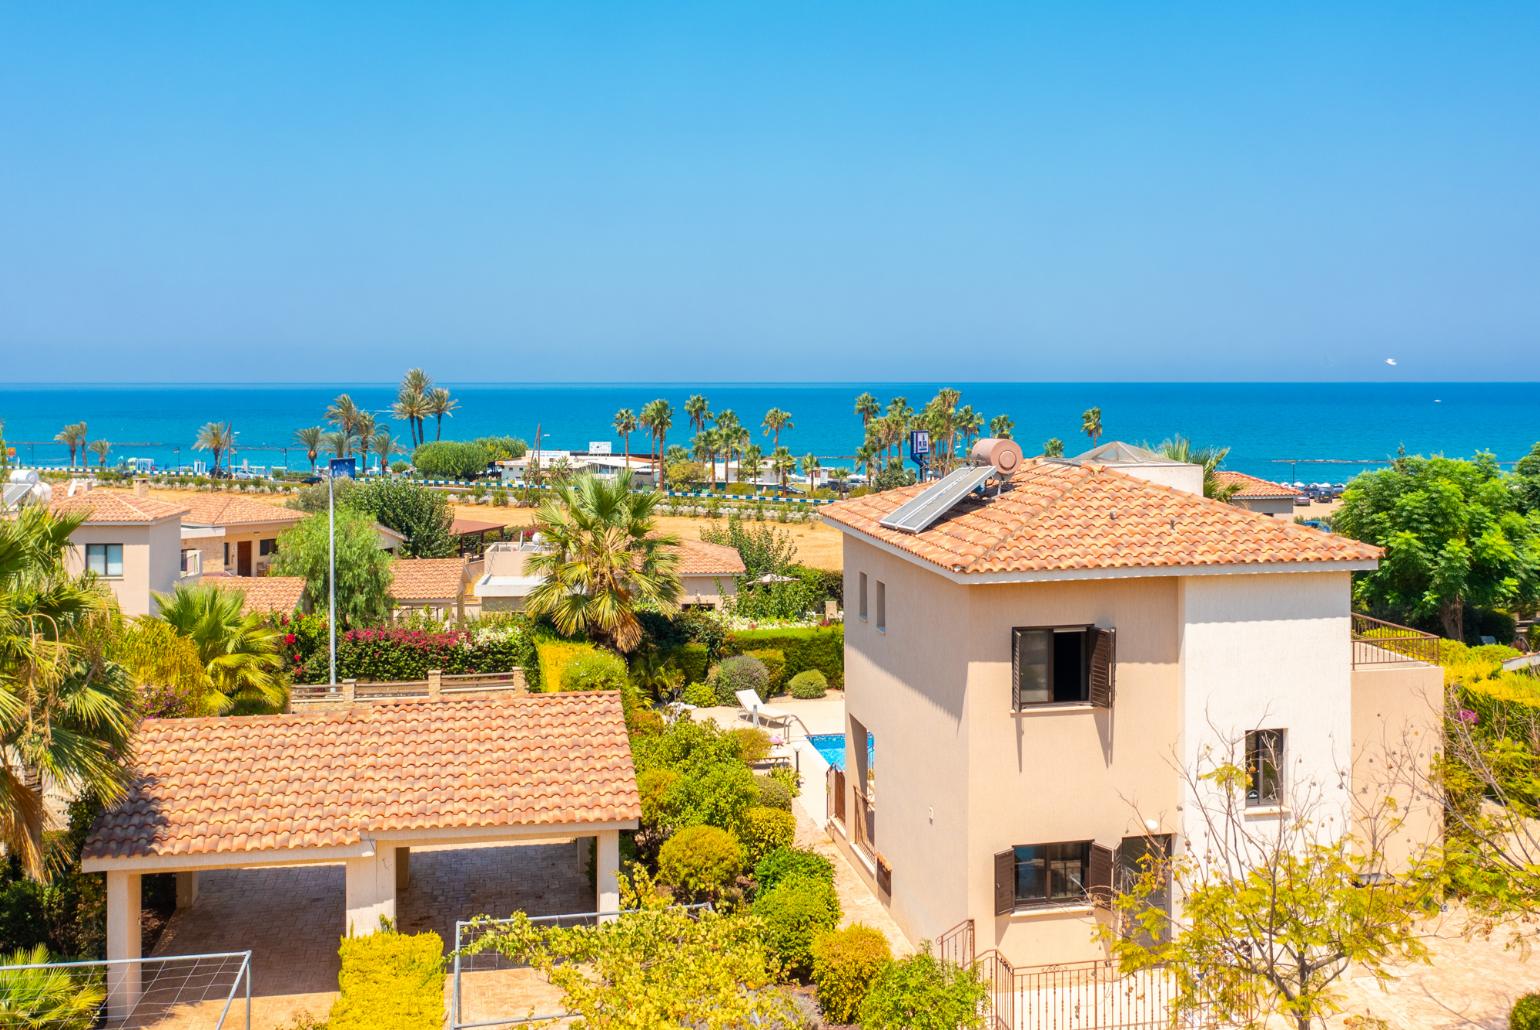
x=1078 y=996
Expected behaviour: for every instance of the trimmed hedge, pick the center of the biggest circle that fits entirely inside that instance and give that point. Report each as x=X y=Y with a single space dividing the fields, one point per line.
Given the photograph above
x=555 y=656
x=408 y=654
x=700 y=862
x=813 y=647
x=390 y=981
x=845 y=962
x=692 y=659
x=765 y=830
x=784 y=863
x=808 y=684
x=794 y=912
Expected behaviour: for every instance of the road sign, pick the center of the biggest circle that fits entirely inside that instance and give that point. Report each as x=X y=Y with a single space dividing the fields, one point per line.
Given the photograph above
x=343 y=468
x=919 y=445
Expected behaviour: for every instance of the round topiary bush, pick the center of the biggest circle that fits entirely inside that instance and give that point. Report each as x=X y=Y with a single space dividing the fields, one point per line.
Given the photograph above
x=845 y=962
x=753 y=744
x=740 y=672
x=699 y=862
x=701 y=695
x=765 y=830
x=1525 y=1014
x=784 y=863
x=794 y=912
x=773 y=792
x=808 y=684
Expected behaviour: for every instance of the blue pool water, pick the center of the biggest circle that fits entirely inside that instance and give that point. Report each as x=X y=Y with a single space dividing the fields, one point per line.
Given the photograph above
x=832 y=747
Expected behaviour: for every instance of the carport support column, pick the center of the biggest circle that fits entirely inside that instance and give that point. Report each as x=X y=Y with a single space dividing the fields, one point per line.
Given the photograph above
x=123 y=981
x=371 y=891
x=607 y=870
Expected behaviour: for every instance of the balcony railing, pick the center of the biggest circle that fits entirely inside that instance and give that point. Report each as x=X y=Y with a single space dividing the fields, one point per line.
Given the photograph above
x=1376 y=642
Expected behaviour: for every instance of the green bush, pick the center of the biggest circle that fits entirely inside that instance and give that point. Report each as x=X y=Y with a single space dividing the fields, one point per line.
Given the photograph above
x=773 y=792
x=390 y=981
x=814 y=647
x=1492 y=653
x=419 y=513
x=451 y=459
x=692 y=659
x=794 y=912
x=785 y=863
x=775 y=668
x=740 y=672
x=923 y=993
x=1525 y=1014
x=765 y=830
x=753 y=744
x=554 y=657
x=654 y=787
x=808 y=684
x=699 y=862
x=595 y=670
x=47 y=998
x=845 y=962
x=714 y=787
x=701 y=695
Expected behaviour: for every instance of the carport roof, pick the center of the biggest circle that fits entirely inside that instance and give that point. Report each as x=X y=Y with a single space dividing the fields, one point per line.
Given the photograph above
x=261 y=785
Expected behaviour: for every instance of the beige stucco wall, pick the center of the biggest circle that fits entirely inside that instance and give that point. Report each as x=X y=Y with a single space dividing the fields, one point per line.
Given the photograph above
x=1397 y=731
x=152 y=561
x=1280 y=507
x=707 y=590
x=213 y=547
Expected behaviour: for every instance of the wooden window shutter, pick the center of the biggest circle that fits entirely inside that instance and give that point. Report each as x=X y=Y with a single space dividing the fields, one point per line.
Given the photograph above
x=1016 y=636
x=1005 y=883
x=1103 y=666
x=1099 y=876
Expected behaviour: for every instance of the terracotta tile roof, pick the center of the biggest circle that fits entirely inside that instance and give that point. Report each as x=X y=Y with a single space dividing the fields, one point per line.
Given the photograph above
x=219 y=509
x=427 y=579
x=113 y=506
x=263 y=594
x=1251 y=486
x=698 y=558
x=332 y=779
x=462 y=527
x=1059 y=516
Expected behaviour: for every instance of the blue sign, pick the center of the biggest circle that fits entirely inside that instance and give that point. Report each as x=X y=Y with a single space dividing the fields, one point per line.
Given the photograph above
x=343 y=468
x=919 y=445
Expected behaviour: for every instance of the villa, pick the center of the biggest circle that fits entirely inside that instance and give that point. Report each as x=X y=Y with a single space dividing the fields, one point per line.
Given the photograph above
x=435 y=586
x=1259 y=495
x=708 y=575
x=235 y=534
x=132 y=543
x=1036 y=667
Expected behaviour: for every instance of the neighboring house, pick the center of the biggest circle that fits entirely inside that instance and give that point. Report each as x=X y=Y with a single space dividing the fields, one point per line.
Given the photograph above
x=1259 y=495
x=264 y=595
x=505 y=583
x=708 y=573
x=131 y=542
x=1036 y=667
x=235 y=534
x=432 y=585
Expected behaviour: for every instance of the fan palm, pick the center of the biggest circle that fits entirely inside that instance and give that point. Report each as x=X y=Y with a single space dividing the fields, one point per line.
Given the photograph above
x=810 y=467
x=310 y=438
x=241 y=653
x=101 y=448
x=385 y=446
x=217 y=438
x=1181 y=449
x=698 y=409
x=73 y=436
x=658 y=418
x=625 y=424
x=868 y=408
x=1053 y=447
x=751 y=461
x=708 y=444
x=775 y=421
x=46 y=999
x=604 y=559
x=1091 y=424
x=65 y=709
x=1001 y=427
x=783 y=463
x=439 y=405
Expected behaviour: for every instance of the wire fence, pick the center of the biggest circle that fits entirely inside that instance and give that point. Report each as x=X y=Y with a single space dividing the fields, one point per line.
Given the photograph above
x=178 y=992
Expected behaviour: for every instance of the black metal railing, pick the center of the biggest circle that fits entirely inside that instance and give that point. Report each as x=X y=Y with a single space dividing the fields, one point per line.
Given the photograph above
x=1376 y=642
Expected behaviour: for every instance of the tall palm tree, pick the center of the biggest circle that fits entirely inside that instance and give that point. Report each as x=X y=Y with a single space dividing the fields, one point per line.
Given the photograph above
x=866 y=457
x=604 y=557
x=412 y=408
x=363 y=432
x=66 y=711
x=1179 y=448
x=73 y=436
x=970 y=424
x=101 y=448
x=1053 y=447
x=439 y=405
x=707 y=443
x=241 y=653
x=750 y=463
x=699 y=411
x=343 y=414
x=310 y=438
x=1001 y=426
x=810 y=467
x=783 y=463
x=1091 y=424
x=775 y=421
x=625 y=424
x=337 y=443
x=385 y=447
x=217 y=438
x=868 y=408
x=658 y=418
x=731 y=429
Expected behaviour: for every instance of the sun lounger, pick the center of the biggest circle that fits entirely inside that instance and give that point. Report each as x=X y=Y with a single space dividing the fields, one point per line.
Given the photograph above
x=758 y=711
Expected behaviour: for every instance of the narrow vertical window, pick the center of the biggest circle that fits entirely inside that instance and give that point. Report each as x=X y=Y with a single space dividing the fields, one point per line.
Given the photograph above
x=882 y=607
x=1264 y=767
x=862 y=596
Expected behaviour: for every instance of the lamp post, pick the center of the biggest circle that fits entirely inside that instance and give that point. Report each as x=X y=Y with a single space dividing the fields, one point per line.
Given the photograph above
x=338 y=467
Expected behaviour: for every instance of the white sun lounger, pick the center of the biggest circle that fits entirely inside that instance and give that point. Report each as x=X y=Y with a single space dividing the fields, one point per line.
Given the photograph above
x=758 y=711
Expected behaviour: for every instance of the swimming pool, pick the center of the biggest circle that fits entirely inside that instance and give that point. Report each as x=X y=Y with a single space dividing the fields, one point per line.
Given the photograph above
x=832 y=747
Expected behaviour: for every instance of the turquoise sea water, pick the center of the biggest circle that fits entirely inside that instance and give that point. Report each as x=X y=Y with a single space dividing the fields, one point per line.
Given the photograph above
x=1261 y=422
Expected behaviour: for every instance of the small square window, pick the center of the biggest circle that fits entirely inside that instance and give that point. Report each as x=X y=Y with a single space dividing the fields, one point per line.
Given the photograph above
x=882 y=607
x=861 y=595
x=1264 y=768
x=267 y=547
x=104 y=559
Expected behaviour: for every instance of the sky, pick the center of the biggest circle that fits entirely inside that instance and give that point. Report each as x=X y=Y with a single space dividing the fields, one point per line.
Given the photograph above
x=726 y=191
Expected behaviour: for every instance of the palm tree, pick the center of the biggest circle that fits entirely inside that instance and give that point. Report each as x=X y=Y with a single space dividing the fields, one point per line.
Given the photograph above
x=216 y=437
x=783 y=463
x=868 y=408
x=66 y=711
x=101 y=448
x=866 y=457
x=750 y=463
x=73 y=436
x=310 y=438
x=810 y=467
x=337 y=443
x=707 y=443
x=838 y=478
x=1179 y=448
x=657 y=418
x=775 y=421
x=730 y=429
x=604 y=557
x=412 y=408
x=1000 y=427
x=699 y=411
x=241 y=653
x=50 y=998
x=439 y=405
x=363 y=432
x=343 y=414
x=385 y=446
x=625 y=425
x=1053 y=448
x=1091 y=424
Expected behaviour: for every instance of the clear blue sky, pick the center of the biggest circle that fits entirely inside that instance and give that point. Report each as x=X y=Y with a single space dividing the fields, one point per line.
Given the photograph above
x=725 y=191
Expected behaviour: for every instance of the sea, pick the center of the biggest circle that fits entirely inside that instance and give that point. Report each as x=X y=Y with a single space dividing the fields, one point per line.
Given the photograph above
x=1293 y=432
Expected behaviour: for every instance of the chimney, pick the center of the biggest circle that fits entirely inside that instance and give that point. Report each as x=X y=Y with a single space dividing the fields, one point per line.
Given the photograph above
x=141 y=487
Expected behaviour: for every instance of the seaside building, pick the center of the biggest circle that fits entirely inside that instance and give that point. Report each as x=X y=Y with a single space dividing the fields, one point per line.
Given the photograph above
x=1035 y=665
x=433 y=586
x=235 y=534
x=1259 y=495
x=708 y=575
x=131 y=543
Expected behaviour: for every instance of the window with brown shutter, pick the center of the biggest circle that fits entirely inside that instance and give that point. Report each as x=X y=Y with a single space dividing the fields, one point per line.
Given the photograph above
x=1062 y=665
x=1103 y=664
x=1005 y=883
x=1099 y=875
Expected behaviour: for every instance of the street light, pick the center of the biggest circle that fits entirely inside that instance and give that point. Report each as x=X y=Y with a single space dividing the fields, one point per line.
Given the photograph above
x=338 y=467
